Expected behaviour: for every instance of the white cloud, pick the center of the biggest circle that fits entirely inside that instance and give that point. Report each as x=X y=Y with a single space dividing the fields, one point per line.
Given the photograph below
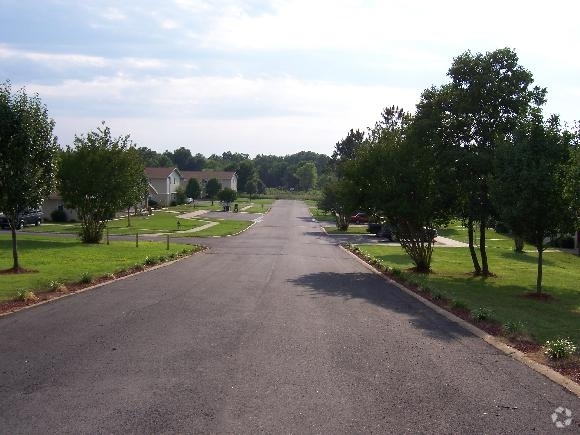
x=56 y=60
x=113 y=14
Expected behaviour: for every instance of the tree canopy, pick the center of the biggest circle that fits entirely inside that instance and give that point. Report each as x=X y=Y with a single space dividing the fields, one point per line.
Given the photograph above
x=99 y=176
x=532 y=188
x=28 y=151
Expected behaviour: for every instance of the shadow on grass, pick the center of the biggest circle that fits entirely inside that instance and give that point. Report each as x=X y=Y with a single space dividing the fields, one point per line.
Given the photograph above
x=29 y=244
x=526 y=257
x=370 y=288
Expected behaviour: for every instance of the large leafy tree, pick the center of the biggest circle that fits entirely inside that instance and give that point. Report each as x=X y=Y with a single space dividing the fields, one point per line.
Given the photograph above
x=227 y=195
x=251 y=188
x=487 y=97
x=193 y=189
x=246 y=171
x=97 y=177
x=307 y=175
x=212 y=188
x=341 y=191
x=532 y=187
x=28 y=150
x=400 y=181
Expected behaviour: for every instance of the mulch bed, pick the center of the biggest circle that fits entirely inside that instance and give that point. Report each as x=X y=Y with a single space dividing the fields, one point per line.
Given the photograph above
x=569 y=367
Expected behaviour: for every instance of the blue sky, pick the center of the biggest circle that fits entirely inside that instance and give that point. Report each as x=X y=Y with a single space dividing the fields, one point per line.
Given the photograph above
x=266 y=77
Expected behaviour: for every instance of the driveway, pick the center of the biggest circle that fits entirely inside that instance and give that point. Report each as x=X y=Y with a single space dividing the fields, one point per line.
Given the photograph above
x=277 y=330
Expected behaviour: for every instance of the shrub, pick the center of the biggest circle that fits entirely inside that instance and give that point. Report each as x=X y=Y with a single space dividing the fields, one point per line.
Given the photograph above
x=513 y=328
x=482 y=314
x=57 y=286
x=59 y=215
x=559 y=348
x=86 y=278
x=138 y=267
x=27 y=296
x=151 y=261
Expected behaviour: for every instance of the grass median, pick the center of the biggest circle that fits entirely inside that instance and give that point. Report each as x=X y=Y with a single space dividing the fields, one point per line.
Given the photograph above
x=67 y=260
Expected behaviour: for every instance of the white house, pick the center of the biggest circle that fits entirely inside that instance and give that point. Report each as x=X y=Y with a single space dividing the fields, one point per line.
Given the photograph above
x=164 y=182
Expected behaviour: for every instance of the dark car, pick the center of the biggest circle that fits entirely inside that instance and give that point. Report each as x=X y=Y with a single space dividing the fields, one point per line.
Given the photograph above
x=382 y=230
x=359 y=218
x=29 y=217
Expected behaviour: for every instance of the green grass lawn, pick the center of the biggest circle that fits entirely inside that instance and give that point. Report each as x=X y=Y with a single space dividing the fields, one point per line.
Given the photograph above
x=352 y=229
x=320 y=215
x=504 y=293
x=224 y=228
x=458 y=232
x=67 y=259
x=162 y=221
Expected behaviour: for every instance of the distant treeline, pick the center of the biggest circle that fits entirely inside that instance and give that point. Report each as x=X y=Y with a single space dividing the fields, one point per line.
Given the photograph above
x=298 y=171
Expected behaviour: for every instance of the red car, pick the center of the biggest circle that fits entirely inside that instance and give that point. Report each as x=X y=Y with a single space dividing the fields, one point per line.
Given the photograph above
x=359 y=218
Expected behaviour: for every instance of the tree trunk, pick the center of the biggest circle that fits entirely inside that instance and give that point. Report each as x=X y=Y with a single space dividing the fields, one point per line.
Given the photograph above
x=417 y=244
x=482 y=248
x=16 y=264
x=341 y=222
x=128 y=216
x=518 y=244
x=474 y=259
x=540 y=249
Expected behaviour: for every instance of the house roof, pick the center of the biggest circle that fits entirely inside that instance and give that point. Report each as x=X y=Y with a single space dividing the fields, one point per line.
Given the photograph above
x=160 y=173
x=208 y=175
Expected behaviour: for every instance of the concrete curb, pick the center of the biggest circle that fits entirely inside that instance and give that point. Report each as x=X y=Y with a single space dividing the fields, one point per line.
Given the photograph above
x=551 y=374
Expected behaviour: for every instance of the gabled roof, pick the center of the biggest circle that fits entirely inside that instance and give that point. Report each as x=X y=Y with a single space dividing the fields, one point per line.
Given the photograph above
x=208 y=175
x=160 y=173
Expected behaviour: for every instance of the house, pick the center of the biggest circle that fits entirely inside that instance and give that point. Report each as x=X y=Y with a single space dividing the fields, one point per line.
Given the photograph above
x=226 y=179
x=163 y=184
x=55 y=202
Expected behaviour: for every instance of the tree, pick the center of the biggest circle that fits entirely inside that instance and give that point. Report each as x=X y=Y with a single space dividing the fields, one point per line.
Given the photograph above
x=193 y=189
x=251 y=188
x=339 y=198
x=137 y=183
x=212 y=188
x=307 y=176
x=180 y=195
x=245 y=171
x=28 y=150
x=97 y=177
x=346 y=148
x=531 y=187
x=487 y=97
x=227 y=195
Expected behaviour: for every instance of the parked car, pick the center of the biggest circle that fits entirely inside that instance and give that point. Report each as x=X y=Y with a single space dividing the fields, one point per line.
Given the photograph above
x=382 y=230
x=359 y=218
x=28 y=217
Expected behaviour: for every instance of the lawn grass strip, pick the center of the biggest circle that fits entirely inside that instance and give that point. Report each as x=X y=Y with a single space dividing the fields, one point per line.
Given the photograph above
x=100 y=284
x=554 y=376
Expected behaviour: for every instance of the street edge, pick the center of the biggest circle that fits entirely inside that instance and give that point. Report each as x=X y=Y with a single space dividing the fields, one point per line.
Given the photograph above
x=551 y=374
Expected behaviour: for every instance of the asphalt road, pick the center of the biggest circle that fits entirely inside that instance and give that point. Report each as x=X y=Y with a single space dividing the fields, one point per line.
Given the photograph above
x=273 y=331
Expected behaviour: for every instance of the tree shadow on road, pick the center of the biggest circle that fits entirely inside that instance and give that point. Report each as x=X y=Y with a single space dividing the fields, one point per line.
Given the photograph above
x=372 y=289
